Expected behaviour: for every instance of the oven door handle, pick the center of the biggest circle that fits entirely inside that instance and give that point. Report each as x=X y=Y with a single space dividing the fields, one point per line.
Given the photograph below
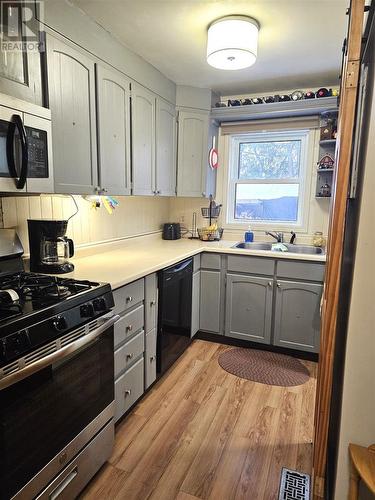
x=13 y=378
x=17 y=123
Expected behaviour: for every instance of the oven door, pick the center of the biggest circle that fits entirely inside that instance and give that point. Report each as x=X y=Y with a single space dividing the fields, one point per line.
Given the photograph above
x=43 y=415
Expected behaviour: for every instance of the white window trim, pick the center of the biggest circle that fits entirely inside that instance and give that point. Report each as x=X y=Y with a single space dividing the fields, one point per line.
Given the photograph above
x=228 y=183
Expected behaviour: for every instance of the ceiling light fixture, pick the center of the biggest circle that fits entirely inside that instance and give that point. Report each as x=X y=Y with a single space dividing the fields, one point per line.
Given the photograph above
x=232 y=42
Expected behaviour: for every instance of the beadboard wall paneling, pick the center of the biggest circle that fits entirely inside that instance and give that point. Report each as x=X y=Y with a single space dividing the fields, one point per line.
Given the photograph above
x=133 y=217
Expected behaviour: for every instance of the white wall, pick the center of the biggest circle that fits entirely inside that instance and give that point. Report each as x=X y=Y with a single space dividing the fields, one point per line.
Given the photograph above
x=181 y=209
x=135 y=216
x=358 y=406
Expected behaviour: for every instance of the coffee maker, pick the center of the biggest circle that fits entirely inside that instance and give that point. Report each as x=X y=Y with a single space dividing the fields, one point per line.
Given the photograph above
x=50 y=249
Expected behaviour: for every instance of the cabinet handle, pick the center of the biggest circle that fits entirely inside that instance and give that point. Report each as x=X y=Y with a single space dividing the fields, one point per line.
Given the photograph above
x=128 y=299
x=152 y=358
x=129 y=328
x=129 y=356
x=203 y=194
x=158 y=192
x=127 y=392
x=270 y=283
x=278 y=285
x=153 y=303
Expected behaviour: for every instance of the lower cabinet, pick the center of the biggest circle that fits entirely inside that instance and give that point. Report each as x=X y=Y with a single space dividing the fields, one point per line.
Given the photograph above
x=297 y=315
x=249 y=308
x=195 y=303
x=128 y=388
x=150 y=358
x=210 y=301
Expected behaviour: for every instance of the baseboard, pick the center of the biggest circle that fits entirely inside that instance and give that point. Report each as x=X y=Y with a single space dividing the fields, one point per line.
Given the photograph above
x=221 y=339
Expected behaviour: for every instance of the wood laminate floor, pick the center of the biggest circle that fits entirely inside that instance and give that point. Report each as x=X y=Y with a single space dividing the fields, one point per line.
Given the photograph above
x=202 y=433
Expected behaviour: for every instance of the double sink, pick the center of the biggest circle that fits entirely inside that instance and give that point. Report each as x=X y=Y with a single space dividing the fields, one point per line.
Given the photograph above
x=304 y=249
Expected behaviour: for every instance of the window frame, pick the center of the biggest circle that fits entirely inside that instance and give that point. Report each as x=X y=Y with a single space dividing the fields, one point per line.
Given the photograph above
x=303 y=180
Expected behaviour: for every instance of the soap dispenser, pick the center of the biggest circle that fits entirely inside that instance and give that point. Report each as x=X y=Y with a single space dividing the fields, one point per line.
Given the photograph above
x=249 y=235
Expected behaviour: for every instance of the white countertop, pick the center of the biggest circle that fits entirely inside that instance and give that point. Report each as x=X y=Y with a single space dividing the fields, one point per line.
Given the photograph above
x=125 y=261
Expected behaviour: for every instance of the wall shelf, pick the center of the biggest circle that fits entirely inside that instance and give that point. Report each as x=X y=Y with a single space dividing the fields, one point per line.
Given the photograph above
x=285 y=109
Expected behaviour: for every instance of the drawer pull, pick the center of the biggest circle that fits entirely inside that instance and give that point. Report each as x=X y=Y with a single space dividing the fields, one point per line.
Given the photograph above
x=129 y=328
x=153 y=303
x=270 y=283
x=128 y=392
x=278 y=285
x=130 y=355
x=129 y=299
x=152 y=358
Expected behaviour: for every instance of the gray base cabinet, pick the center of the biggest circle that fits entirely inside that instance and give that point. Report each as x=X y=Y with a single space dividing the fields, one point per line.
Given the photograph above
x=297 y=315
x=210 y=301
x=249 y=308
x=150 y=359
x=196 y=293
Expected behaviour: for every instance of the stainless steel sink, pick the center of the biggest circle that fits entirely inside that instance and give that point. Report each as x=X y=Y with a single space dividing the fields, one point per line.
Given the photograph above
x=253 y=246
x=304 y=249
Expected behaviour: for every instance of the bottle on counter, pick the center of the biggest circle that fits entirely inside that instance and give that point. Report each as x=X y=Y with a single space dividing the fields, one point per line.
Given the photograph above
x=318 y=239
x=249 y=235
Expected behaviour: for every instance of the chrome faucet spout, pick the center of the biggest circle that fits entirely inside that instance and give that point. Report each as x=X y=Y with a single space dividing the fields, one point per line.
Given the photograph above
x=279 y=237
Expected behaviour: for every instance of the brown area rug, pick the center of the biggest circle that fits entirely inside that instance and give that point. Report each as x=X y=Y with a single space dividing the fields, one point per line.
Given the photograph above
x=265 y=367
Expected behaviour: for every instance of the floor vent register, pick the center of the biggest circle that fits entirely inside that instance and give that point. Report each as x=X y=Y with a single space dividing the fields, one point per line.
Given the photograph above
x=294 y=485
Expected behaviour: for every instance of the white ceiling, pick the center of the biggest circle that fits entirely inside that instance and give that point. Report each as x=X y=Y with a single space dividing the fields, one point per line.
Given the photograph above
x=299 y=41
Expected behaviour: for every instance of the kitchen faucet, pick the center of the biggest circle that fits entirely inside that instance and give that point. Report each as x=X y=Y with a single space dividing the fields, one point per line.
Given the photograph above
x=279 y=237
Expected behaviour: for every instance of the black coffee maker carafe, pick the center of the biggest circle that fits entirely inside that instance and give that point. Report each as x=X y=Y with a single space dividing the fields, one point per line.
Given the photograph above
x=50 y=249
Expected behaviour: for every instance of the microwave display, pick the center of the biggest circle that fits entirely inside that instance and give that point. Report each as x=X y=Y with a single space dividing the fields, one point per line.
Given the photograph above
x=38 y=153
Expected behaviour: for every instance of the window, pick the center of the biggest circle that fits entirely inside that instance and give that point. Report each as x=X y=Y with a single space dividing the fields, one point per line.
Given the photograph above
x=267 y=178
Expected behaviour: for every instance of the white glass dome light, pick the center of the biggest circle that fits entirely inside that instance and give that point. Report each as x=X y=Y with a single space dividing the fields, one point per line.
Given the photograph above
x=232 y=42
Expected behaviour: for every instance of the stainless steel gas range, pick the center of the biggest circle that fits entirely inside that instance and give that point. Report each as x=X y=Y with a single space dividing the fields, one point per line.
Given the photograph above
x=56 y=380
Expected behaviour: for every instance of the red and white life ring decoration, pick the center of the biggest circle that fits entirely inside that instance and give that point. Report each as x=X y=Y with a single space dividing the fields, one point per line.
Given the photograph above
x=213 y=156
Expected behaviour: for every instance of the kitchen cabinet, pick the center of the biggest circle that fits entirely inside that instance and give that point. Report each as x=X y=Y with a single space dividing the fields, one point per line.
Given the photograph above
x=143 y=140
x=150 y=358
x=192 y=157
x=297 y=315
x=165 y=177
x=20 y=71
x=249 y=307
x=195 y=303
x=113 y=115
x=210 y=300
x=71 y=81
x=151 y=302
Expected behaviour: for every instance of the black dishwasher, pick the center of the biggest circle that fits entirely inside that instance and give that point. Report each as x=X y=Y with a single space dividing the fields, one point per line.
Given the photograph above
x=174 y=317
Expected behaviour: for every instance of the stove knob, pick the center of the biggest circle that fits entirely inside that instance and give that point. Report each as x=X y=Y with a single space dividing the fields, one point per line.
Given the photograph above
x=99 y=304
x=59 y=323
x=87 y=311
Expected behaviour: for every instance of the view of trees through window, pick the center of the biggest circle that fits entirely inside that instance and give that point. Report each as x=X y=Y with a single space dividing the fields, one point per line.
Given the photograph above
x=276 y=163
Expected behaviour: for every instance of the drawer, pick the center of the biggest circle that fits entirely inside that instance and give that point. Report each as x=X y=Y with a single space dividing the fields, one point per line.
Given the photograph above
x=253 y=265
x=128 y=324
x=150 y=359
x=311 y=271
x=151 y=302
x=125 y=355
x=128 y=296
x=128 y=388
x=211 y=261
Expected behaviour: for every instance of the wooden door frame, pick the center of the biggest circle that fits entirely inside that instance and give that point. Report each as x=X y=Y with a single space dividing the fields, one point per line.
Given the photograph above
x=340 y=189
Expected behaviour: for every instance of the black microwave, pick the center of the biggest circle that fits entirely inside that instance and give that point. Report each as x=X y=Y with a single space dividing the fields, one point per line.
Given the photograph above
x=25 y=148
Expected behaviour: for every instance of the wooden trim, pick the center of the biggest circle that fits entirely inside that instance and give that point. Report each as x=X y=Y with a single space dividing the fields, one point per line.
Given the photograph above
x=346 y=123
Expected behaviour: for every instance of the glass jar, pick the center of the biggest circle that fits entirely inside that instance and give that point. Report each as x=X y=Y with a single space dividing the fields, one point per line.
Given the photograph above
x=318 y=239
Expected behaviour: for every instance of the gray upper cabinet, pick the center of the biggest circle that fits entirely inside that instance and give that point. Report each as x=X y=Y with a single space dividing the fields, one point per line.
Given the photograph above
x=165 y=148
x=71 y=77
x=249 y=308
x=192 y=158
x=143 y=140
x=297 y=315
x=20 y=71
x=113 y=110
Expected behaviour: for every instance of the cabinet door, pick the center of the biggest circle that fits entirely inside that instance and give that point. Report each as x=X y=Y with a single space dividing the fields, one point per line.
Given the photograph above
x=151 y=302
x=249 y=308
x=150 y=358
x=113 y=96
x=20 y=71
x=195 y=303
x=210 y=301
x=143 y=141
x=297 y=315
x=192 y=159
x=71 y=78
x=165 y=148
